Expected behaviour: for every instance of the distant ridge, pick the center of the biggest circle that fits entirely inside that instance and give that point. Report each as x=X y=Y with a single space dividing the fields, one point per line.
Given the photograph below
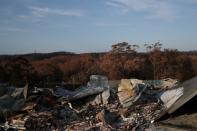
x=41 y=56
x=36 y=56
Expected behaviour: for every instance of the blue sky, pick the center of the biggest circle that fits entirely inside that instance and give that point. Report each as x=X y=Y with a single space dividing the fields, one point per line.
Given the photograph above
x=94 y=25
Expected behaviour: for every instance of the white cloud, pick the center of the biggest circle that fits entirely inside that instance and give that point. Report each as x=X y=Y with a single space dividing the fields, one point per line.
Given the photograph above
x=36 y=14
x=114 y=4
x=10 y=29
x=161 y=9
x=41 y=12
x=29 y=18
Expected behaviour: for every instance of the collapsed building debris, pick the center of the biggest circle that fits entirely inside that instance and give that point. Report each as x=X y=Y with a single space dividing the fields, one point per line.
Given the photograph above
x=129 y=91
x=96 y=85
x=132 y=105
x=169 y=97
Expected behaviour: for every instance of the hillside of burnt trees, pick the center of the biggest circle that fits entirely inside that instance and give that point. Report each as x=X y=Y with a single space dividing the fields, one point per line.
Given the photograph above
x=123 y=61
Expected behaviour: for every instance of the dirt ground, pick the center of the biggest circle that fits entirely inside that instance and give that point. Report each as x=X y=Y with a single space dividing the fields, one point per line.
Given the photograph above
x=183 y=119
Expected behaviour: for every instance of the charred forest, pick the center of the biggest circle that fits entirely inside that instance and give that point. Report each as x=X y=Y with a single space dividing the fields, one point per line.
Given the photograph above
x=122 y=61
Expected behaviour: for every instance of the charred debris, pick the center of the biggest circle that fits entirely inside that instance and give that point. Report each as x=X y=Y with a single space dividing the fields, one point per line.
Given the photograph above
x=128 y=104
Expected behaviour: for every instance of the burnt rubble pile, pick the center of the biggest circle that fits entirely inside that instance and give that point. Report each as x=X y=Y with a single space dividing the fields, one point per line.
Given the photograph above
x=133 y=105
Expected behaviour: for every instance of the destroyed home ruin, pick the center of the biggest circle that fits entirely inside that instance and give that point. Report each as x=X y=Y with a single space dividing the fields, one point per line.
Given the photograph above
x=127 y=104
